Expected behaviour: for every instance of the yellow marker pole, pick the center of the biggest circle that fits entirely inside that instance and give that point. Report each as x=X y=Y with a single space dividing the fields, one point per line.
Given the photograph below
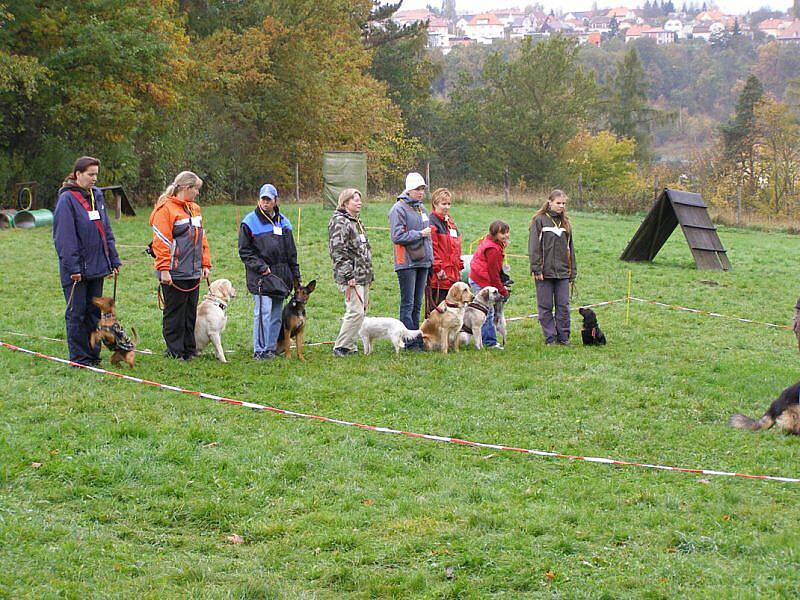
x=475 y=241
x=628 y=299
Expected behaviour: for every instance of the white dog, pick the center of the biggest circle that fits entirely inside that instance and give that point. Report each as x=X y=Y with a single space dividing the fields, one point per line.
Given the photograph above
x=386 y=328
x=212 y=317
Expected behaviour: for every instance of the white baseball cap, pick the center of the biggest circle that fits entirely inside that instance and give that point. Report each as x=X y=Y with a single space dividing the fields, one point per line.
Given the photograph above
x=413 y=181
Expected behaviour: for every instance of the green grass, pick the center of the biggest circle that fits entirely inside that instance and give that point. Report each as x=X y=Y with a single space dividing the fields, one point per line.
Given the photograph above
x=139 y=487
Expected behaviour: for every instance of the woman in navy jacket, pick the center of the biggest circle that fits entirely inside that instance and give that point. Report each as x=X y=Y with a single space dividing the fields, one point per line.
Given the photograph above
x=86 y=255
x=266 y=246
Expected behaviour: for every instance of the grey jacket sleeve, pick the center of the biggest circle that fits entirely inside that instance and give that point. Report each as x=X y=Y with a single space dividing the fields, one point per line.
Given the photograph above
x=399 y=227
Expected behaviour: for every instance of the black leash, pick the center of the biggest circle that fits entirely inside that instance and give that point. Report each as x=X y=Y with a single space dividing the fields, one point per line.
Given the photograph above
x=115 y=285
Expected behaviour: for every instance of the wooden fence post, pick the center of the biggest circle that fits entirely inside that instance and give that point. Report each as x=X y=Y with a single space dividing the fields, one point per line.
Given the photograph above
x=297 y=182
x=738 y=204
x=507 y=182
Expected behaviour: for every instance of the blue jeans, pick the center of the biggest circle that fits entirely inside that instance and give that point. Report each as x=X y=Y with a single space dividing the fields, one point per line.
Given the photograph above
x=266 y=323
x=488 y=334
x=412 y=291
x=82 y=318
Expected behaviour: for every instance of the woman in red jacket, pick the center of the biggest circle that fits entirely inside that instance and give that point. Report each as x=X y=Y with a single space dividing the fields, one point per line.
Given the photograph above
x=484 y=270
x=446 y=239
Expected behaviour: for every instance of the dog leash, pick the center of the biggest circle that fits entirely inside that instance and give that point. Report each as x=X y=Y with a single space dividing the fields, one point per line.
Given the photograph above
x=116 y=275
x=71 y=293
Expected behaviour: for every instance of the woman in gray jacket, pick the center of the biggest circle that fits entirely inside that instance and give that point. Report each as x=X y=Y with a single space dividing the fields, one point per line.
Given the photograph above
x=352 y=267
x=552 y=259
x=413 y=252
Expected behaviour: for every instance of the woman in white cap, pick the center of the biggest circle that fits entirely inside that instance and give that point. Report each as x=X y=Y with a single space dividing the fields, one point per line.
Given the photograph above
x=267 y=249
x=413 y=252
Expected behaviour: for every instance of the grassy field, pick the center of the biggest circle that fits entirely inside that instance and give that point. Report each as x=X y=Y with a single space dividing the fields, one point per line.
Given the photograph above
x=139 y=488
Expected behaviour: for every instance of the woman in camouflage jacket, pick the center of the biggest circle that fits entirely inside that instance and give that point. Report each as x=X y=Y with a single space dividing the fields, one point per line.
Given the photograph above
x=352 y=267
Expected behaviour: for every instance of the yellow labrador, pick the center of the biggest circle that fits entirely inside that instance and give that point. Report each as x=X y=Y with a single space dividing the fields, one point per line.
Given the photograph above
x=212 y=317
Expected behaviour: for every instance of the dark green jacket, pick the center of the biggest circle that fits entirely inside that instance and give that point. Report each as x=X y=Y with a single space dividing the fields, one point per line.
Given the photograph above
x=550 y=248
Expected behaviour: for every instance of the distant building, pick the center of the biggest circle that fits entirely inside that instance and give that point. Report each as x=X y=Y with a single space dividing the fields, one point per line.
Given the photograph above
x=485 y=28
x=790 y=34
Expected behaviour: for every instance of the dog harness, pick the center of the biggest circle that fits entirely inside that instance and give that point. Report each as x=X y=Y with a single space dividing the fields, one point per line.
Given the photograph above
x=121 y=341
x=478 y=306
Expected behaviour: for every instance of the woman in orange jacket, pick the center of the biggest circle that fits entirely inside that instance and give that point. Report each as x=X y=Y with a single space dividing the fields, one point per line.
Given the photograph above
x=182 y=260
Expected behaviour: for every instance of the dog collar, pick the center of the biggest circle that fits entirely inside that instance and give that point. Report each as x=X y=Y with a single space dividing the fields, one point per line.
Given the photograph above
x=451 y=305
x=213 y=299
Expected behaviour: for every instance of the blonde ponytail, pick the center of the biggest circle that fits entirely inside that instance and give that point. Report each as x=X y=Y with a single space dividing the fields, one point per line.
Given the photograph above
x=183 y=180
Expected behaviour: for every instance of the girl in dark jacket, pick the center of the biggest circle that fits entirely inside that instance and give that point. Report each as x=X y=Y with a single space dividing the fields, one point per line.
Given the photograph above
x=484 y=270
x=86 y=255
x=446 y=240
x=266 y=247
x=552 y=260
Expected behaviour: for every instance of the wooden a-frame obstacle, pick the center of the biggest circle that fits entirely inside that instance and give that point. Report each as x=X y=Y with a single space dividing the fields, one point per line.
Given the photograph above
x=675 y=207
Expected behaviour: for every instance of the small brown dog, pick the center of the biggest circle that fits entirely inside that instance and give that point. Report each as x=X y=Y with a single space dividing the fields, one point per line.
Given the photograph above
x=111 y=333
x=293 y=320
x=441 y=327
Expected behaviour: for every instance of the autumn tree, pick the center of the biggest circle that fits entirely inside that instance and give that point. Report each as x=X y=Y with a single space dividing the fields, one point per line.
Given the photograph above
x=628 y=110
x=739 y=134
x=106 y=76
x=521 y=112
x=778 y=138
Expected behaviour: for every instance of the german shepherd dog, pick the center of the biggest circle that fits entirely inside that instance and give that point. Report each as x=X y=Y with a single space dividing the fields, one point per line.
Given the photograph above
x=785 y=412
x=110 y=332
x=293 y=320
x=590 y=332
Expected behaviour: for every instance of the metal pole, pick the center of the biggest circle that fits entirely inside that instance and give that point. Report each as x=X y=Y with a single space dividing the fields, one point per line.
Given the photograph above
x=428 y=177
x=628 y=299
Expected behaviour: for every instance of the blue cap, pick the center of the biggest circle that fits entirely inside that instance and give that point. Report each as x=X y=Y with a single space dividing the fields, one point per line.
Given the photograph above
x=268 y=190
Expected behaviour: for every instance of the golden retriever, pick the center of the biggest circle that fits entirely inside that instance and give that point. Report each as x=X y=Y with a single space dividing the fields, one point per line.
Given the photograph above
x=441 y=327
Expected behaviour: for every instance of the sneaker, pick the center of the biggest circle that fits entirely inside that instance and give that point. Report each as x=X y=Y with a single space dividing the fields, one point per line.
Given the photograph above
x=496 y=347
x=341 y=352
x=564 y=343
x=270 y=354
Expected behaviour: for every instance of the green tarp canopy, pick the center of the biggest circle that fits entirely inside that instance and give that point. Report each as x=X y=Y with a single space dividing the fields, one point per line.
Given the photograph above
x=342 y=170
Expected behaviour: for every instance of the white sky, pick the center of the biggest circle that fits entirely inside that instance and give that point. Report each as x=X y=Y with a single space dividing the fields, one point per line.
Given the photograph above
x=729 y=6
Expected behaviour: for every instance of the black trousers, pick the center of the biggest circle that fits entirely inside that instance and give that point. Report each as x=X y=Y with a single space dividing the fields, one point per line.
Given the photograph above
x=82 y=318
x=180 y=314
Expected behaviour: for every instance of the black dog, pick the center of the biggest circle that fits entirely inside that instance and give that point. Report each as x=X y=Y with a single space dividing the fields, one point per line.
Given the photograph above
x=590 y=332
x=783 y=412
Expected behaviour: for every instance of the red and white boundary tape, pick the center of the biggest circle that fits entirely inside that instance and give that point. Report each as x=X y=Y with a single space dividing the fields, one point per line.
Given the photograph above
x=534 y=315
x=425 y=436
x=708 y=313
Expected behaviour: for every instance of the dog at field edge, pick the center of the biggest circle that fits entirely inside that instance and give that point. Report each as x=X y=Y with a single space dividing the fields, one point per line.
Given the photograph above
x=293 y=320
x=110 y=332
x=783 y=412
x=212 y=316
x=590 y=331
x=386 y=328
x=441 y=327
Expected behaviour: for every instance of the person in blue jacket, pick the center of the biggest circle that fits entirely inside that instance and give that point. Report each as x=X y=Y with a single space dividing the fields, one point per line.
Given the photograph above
x=269 y=254
x=413 y=252
x=86 y=255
